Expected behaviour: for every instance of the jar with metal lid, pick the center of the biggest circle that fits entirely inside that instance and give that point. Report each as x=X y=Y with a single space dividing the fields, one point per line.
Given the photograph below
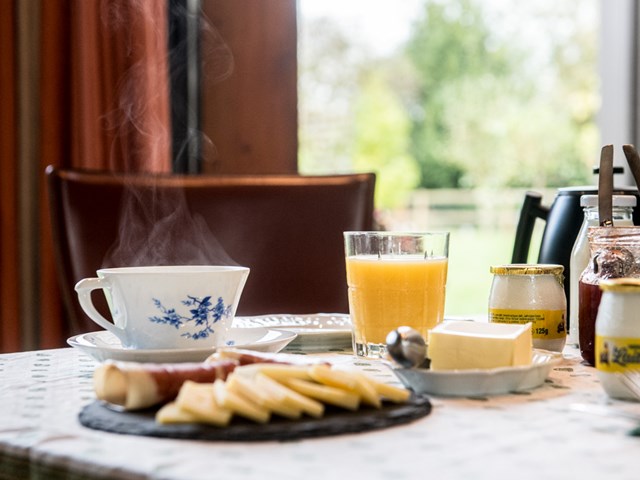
x=622 y=216
x=617 y=343
x=615 y=253
x=522 y=293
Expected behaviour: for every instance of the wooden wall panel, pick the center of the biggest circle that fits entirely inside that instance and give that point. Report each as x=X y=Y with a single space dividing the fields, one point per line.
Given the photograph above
x=250 y=115
x=9 y=271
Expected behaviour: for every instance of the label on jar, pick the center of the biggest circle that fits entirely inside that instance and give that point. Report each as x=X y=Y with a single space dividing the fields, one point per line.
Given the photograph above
x=546 y=324
x=617 y=354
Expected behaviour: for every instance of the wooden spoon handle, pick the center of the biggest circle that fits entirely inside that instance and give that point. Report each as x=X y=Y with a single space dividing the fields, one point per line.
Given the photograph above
x=633 y=159
x=605 y=187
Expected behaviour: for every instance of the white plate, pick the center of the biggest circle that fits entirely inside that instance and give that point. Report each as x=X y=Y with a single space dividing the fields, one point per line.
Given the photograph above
x=317 y=331
x=104 y=345
x=471 y=383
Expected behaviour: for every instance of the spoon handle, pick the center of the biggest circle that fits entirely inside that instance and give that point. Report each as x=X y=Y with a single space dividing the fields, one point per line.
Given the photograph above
x=605 y=187
x=634 y=162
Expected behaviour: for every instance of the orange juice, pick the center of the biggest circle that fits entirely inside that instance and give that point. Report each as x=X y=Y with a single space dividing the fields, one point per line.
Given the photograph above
x=390 y=291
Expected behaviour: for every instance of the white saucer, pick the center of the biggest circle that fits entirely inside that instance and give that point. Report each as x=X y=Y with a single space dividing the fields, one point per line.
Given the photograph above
x=473 y=383
x=316 y=331
x=104 y=345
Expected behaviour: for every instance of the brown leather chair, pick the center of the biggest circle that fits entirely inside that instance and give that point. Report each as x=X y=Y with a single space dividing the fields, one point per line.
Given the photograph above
x=286 y=228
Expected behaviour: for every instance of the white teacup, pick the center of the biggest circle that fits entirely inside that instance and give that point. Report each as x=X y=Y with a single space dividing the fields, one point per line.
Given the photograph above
x=167 y=307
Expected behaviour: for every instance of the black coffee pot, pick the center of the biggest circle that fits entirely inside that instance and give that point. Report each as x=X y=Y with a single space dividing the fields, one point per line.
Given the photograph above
x=563 y=221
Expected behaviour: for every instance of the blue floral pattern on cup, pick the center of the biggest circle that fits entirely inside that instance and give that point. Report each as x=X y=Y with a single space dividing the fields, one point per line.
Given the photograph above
x=204 y=313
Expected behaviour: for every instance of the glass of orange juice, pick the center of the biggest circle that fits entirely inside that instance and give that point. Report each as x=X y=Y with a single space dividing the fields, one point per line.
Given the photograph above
x=394 y=279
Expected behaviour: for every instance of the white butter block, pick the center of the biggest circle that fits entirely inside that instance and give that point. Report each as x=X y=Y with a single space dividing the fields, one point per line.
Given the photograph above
x=464 y=345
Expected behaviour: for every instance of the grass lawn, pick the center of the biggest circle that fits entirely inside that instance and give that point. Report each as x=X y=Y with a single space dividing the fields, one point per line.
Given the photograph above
x=471 y=253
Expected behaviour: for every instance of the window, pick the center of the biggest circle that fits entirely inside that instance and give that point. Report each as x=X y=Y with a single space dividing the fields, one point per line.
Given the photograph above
x=459 y=106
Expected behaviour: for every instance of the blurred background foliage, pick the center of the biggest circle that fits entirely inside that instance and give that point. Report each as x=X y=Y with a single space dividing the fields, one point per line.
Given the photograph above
x=474 y=98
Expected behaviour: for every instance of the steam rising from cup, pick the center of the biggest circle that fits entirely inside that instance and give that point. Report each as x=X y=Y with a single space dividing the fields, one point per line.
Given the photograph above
x=156 y=226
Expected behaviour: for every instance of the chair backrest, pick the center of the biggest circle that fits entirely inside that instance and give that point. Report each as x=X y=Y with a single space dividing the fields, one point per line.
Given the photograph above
x=286 y=228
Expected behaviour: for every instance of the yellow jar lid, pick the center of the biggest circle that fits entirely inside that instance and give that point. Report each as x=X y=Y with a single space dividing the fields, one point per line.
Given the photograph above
x=527 y=269
x=620 y=285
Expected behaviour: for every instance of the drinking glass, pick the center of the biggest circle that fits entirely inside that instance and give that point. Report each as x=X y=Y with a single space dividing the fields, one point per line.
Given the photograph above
x=395 y=279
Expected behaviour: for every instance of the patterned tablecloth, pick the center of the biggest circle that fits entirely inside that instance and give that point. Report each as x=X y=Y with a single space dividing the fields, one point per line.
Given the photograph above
x=537 y=434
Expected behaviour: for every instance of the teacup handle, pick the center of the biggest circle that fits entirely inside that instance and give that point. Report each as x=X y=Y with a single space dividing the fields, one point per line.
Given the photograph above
x=84 y=288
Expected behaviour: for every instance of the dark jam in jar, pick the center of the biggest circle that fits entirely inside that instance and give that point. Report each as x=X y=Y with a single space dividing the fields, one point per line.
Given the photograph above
x=614 y=253
x=589 y=295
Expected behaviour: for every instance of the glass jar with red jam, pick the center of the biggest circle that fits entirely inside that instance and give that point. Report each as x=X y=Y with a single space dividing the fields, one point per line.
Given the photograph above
x=615 y=253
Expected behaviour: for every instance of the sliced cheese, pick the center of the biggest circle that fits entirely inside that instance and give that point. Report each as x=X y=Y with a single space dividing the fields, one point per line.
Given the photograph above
x=239 y=404
x=346 y=380
x=198 y=399
x=332 y=377
x=388 y=392
x=172 y=413
x=249 y=389
x=276 y=371
x=367 y=391
x=324 y=393
x=463 y=345
x=290 y=397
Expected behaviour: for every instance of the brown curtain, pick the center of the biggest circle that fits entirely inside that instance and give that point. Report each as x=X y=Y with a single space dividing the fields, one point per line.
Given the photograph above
x=103 y=96
x=105 y=88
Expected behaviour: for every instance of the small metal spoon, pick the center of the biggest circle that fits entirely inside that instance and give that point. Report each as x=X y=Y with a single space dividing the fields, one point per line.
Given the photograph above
x=407 y=347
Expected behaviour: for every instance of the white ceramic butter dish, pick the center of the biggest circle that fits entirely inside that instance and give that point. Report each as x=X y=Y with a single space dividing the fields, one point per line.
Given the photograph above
x=476 y=383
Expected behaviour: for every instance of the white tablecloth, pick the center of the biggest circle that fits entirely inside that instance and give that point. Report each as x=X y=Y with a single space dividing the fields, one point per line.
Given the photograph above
x=535 y=434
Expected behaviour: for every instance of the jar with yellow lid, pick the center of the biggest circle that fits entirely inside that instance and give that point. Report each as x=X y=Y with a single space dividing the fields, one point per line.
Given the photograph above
x=522 y=293
x=617 y=343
